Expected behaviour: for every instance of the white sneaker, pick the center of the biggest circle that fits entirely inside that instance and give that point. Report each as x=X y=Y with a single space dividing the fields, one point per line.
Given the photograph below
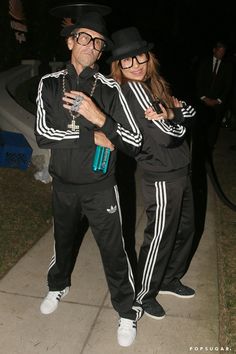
x=126 y=332
x=51 y=301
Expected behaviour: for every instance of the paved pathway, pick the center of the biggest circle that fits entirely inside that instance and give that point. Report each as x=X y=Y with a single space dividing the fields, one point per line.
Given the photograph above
x=85 y=322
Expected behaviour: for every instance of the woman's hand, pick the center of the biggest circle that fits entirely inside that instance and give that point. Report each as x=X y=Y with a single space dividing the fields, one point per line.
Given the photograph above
x=168 y=113
x=176 y=102
x=151 y=114
x=101 y=139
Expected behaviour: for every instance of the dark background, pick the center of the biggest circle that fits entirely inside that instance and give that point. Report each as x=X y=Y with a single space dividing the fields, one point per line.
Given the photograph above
x=182 y=30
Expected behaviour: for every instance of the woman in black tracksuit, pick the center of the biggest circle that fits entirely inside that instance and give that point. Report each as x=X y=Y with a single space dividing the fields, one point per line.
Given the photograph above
x=164 y=160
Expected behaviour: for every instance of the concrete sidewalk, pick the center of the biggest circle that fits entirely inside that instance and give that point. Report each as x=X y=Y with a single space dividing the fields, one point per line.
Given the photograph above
x=85 y=322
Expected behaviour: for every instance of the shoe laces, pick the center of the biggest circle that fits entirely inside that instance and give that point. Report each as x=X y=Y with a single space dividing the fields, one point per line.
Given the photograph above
x=52 y=295
x=126 y=324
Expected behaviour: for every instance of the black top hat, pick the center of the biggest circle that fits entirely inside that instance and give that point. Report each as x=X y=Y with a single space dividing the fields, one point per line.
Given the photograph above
x=127 y=42
x=74 y=11
x=93 y=21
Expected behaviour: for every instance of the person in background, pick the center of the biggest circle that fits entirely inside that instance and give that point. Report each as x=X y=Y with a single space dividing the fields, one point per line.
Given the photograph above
x=164 y=160
x=214 y=76
x=78 y=109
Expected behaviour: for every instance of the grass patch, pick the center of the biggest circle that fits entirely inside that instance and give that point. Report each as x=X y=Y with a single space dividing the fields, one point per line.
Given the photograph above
x=225 y=164
x=25 y=214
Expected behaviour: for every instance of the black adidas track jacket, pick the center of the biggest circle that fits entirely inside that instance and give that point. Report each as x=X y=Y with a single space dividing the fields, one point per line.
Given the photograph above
x=72 y=153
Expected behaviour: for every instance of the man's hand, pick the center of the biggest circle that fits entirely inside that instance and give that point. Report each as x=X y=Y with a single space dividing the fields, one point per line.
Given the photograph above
x=210 y=102
x=101 y=140
x=87 y=108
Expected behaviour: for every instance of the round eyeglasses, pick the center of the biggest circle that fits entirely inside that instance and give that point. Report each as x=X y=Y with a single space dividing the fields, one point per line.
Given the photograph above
x=129 y=62
x=84 y=39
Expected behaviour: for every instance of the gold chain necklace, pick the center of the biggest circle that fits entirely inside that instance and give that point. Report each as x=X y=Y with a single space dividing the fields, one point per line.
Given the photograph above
x=73 y=126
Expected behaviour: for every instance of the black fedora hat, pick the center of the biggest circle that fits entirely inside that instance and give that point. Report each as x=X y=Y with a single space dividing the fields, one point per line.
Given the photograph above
x=128 y=42
x=93 y=21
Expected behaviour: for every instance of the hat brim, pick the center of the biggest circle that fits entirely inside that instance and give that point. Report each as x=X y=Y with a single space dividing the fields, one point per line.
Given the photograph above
x=131 y=53
x=74 y=11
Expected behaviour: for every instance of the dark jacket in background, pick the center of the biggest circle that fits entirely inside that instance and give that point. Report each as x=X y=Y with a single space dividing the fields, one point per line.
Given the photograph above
x=218 y=86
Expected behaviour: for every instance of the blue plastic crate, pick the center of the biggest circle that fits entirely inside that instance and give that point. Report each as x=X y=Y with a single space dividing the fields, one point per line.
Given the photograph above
x=15 y=150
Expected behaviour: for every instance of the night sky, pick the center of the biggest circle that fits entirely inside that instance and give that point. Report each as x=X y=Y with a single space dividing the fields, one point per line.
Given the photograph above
x=180 y=29
x=191 y=23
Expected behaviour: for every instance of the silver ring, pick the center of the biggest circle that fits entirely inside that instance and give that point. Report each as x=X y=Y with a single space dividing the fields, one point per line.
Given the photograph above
x=76 y=103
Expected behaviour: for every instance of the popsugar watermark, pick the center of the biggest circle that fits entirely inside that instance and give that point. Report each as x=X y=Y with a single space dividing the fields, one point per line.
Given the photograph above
x=206 y=349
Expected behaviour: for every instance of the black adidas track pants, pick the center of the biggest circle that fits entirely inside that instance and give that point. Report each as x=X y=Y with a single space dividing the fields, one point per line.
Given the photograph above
x=168 y=235
x=102 y=210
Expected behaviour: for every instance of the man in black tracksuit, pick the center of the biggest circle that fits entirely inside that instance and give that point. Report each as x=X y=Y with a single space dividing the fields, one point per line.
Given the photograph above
x=72 y=130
